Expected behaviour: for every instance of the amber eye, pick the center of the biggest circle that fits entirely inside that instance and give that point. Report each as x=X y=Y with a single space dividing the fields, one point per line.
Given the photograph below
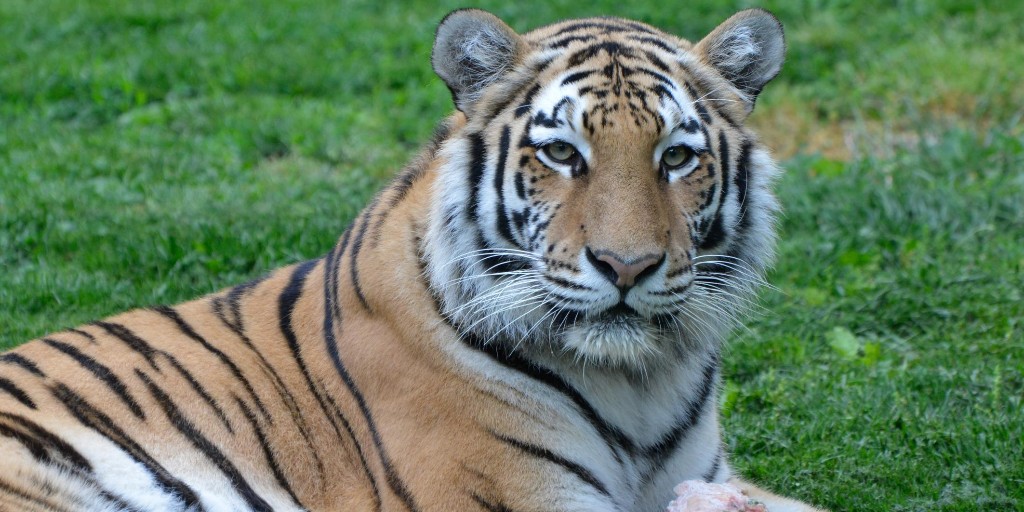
x=676 y=157
x=561 y=152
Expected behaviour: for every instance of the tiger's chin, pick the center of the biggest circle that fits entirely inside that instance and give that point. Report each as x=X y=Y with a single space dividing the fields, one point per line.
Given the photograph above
x=626 y=341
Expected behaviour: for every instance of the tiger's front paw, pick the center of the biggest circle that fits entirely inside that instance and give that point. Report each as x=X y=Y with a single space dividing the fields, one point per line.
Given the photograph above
x=700 y=496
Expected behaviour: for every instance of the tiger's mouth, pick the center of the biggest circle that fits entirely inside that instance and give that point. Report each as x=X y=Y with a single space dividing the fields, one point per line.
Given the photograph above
x=618 y=336
x=619 y=313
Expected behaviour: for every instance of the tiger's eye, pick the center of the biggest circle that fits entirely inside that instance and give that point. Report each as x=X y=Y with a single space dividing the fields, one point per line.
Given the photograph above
x=560 y=151
x=676 y=156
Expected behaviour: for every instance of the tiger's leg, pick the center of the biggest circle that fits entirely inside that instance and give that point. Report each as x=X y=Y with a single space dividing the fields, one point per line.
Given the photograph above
x=774 y=502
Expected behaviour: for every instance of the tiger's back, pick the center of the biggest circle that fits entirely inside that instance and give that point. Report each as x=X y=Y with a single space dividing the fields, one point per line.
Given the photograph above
x=464 y=346
x=202 y=406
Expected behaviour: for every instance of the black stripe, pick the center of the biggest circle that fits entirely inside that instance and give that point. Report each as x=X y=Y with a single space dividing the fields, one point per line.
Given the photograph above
x=725 y=163
x=690 y=126
x=502 y=217
x=187 y=330
x=698 y=103
x=664 y=94
x=357 y=245
x=31 y=497
x=95 y=419
x=84 y=334
x=238 y=327
x=566 y=41
x=490 y=506
x=678 y=289
x=520 y=184
x=116 y=503
x=204 y=445
x=332 y=272
x=742 y=175
x=235 y=300
x=658 y=63
x=704 y=83
x=404 y=182
x=286 y=305
x=18 y=394
x=424 y=278
x=654 y=41
x=22 y=361
x=268 y=452
x=607 y=27
x=612 y=436
x=332 y=311
x=478 y=158
x=200 y=390
x=512 y=91
x=416 y=169
x=134 y=342
x=101 y=372
x=524 y=107
x=566 y=283
x=577 y=76
x=716 y=233
x=40 y=442
x=709 y=475
x=543 y=453
x=391 y=475
x=666 y=81
x=612 y=48
x=660 y=452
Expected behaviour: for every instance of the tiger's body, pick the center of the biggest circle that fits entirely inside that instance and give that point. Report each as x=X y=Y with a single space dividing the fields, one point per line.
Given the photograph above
x=529 y=317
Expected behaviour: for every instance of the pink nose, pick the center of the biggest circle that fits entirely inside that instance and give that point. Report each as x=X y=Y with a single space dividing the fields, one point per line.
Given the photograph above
x=620 y=272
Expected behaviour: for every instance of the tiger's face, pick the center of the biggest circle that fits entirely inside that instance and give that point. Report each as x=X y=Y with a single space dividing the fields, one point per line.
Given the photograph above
x=603 y=198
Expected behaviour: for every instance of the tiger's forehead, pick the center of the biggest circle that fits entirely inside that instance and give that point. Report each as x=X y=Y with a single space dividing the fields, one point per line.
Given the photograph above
x=588 y=30
x=606 y=75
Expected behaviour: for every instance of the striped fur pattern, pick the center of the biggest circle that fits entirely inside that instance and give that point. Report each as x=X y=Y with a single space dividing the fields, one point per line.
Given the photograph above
x=530 y=317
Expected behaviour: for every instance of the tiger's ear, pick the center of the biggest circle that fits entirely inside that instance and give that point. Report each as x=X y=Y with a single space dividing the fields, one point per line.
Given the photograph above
x=747 y=49
x=473 y=49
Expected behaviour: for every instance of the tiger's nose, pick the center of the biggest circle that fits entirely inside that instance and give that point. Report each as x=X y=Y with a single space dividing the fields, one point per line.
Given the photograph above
x=622 y=272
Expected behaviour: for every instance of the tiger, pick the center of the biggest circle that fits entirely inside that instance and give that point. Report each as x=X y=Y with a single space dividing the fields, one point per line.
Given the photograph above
x=530 y=316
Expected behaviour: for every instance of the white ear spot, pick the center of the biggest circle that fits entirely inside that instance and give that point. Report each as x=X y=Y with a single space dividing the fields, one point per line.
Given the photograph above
x=473 y=49
x=748 y=49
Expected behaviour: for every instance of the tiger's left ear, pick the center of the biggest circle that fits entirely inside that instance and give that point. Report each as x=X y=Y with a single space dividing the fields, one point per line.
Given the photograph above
x=747 y=49
x=473 y=49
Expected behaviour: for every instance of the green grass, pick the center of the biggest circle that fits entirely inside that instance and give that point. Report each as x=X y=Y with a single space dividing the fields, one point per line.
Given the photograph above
x=152 y=152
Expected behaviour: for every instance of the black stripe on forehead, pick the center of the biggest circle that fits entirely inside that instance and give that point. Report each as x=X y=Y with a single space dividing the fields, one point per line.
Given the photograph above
x=607 y=25
x=577 y=76
x=658 y=63
x=566 y=41
x=612 y=48
x=654 y=41
x=664 y=94
x=653 y=74
x=690 y=125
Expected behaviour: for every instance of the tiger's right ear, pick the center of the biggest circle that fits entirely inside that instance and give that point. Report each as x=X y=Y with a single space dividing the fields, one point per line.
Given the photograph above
x=473 y=49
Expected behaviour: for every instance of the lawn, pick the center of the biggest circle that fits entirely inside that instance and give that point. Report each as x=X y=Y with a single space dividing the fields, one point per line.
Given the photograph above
x=154 y=151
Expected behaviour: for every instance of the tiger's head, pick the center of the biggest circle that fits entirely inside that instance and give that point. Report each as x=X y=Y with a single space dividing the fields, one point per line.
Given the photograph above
x=602 y=197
